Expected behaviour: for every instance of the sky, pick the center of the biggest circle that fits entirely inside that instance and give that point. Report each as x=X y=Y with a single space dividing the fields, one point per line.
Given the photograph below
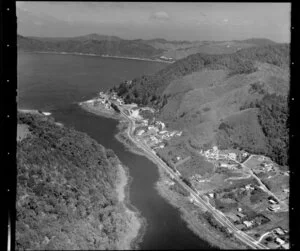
x=148 y=20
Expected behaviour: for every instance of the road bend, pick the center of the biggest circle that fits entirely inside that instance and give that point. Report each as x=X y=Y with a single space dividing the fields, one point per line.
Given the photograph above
x=220 y=217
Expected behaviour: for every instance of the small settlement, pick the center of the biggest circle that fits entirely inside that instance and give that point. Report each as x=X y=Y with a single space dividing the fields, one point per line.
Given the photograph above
x=232 y=186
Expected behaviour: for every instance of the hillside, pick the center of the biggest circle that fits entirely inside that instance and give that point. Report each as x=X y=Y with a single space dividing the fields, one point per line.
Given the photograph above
x=241 y=62
x=116 y=46
x=89 y=45
x=200 y=92
x=66 y=190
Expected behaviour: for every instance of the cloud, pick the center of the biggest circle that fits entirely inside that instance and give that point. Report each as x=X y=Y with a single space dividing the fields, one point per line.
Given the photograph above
x=160 y=15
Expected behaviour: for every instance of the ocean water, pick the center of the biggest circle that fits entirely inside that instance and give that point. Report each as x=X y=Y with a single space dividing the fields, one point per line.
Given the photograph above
x=55 y=83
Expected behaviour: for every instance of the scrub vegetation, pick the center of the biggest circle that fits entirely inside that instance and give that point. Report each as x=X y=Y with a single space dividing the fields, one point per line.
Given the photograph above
x=236 y=100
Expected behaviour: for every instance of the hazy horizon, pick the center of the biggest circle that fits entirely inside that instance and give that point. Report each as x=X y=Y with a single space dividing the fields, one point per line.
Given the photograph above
x=170 y=21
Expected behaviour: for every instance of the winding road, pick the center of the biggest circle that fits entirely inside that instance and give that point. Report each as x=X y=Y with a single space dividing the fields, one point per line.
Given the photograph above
x=219 y=216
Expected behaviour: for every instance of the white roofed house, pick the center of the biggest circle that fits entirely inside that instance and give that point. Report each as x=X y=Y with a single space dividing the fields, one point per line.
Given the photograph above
x=248 y=223
x=232 y=155
x=279 y=231
x=223 y=164
x=178 y=134
x=274 y=208
x=279 y=241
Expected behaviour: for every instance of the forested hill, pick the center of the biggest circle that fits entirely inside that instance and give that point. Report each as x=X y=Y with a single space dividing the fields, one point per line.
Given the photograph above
x=147 y=90
x=89 y=45
x=232 y=100
x=66 y=196
x=153 y=48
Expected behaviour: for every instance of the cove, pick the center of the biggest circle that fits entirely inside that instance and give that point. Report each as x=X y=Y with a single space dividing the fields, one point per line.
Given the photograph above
x=56 y=83
x=165 y=229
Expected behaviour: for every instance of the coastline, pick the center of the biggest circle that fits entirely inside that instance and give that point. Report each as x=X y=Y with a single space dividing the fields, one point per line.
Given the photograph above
x=97 y=110
x=201 y=228
x=190 y=215
x=34 y=112
x=103 y=56
x=136 y=224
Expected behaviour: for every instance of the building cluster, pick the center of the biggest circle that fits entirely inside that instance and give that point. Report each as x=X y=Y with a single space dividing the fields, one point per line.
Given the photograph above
x=155 y=133
x=242 y=221
x=152 y=133
x=223 y=158
x=279 y=235
x=216 y=154
x=274 y=205
x=278 y=238
x=266 y=165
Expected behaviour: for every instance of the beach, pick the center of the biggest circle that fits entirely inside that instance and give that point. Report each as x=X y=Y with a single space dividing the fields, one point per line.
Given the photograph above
x=104 y=56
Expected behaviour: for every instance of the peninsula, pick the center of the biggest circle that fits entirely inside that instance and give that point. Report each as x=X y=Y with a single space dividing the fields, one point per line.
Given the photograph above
x=72 y=192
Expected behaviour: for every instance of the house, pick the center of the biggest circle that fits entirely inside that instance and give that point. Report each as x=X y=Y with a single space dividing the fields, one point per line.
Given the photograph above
x=178 y=134
x=178 y=158
x=224 y=165
x=172 y=134
x=279 y=241
x=279 y=231
x=245 y=154
x=272 y=201
x=239 y=209
x=274 y=207
x=248 y=187
x=248 y=223
x=211 y=195
x=232 y=216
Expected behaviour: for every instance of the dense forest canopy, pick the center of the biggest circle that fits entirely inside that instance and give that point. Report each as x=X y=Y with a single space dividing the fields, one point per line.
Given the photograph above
x=274 y=120
x=66 y=196
x=269 y=135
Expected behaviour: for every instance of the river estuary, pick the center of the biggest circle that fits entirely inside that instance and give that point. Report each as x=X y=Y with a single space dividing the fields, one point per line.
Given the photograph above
x=55 y=83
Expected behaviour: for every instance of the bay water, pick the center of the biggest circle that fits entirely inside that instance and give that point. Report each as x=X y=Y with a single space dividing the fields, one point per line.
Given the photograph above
x=56 y=83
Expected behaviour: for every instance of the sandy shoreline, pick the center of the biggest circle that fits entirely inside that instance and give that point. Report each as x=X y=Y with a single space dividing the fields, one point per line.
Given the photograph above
x=136 y=224
x=103 y=56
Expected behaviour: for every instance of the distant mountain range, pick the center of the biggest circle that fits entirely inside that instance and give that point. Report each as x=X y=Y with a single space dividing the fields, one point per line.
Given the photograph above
x=116 y=46
x=233 y=100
